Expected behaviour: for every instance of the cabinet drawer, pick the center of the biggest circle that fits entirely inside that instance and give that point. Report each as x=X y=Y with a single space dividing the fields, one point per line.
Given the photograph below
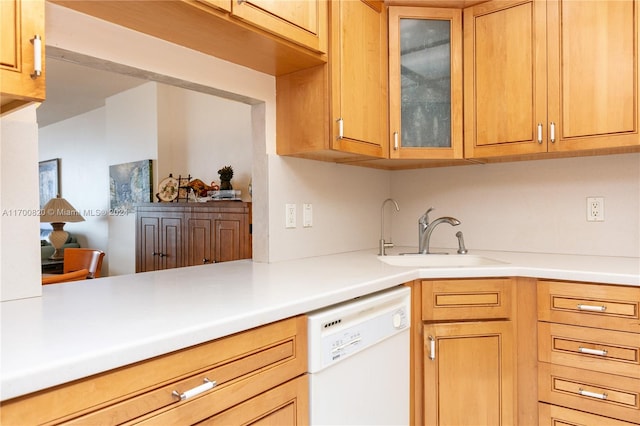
x=592 y=305
x=466 y=299
x=285 y=405
x=552 y=415
x=594 y=392
x=242 y=365
x=613 y=352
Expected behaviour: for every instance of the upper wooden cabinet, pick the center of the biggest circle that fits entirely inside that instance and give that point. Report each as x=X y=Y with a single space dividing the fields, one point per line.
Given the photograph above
x=550 y=77
x=593 y=80
x=303 y=22
x=338 y=112
x=21 y=22
x=425 y=83
x=273 y=37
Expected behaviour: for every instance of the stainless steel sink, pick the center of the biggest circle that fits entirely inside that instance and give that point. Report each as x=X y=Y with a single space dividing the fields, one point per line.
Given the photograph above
x=439 y=260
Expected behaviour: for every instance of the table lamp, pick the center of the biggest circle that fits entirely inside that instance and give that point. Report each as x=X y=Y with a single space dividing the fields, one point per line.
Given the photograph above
x=58 y=211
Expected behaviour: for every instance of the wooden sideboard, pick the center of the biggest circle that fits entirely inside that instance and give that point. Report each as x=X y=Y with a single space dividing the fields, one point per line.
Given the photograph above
x=173 y=235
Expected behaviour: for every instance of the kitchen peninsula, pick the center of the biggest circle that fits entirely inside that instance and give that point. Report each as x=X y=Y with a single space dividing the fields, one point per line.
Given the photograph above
x=77 y=330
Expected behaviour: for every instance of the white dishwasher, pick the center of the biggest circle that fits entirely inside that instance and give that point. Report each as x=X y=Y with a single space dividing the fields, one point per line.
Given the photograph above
x=359 y=361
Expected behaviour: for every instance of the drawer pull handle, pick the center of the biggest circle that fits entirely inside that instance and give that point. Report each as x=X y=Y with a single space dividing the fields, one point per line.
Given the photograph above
x=601 y=352
x=207 y=385
x=432 y=348
x=592 y=308
x=592 y=394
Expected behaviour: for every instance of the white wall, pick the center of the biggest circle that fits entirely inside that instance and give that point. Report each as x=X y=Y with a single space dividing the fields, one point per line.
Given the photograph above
x=19 y=206
x=198 y=134
x=80 y=144
x=533 y=206
x=131 y=128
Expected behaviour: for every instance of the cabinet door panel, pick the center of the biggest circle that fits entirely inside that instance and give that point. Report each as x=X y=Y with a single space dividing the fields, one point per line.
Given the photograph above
x=228 y=238
x=171 y=237
x=199 y=241
x=21 y=21
x=303 y=22
x=359 y=76
x=471 y=378
x=148 y=244
x=425 y=82
x=593 y=73
x=505 y=78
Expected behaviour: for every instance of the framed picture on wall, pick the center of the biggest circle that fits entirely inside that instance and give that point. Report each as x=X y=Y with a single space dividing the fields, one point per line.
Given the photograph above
x=130 y=184
x=49 y=178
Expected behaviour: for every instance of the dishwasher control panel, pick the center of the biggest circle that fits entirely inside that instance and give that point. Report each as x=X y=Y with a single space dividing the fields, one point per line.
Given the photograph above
x=341 y=331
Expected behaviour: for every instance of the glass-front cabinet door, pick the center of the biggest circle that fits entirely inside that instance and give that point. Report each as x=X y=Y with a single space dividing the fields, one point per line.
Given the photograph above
x=425 y=83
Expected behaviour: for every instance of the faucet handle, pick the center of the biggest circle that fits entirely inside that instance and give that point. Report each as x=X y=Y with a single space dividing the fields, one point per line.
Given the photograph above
x=424 y=219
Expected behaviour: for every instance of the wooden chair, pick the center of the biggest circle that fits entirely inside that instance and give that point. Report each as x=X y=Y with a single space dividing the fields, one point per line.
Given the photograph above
x=83 y=258
x=63 y=278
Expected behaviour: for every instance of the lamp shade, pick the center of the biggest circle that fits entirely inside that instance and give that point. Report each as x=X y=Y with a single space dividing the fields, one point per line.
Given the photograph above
x=59 y=210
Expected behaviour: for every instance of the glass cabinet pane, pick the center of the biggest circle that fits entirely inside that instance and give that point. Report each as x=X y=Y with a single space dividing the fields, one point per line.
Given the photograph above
x=425 y=68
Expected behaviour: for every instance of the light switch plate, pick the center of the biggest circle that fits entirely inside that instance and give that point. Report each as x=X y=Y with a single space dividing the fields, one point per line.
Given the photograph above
x=290 y=216
x=307 y=215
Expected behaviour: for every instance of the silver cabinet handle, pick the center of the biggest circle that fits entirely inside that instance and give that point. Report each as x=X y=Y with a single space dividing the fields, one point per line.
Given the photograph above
x=592 y=394
x=540 y=133
x=552 y=132
x=340 y=128
x=591 y=308
x=432 y=348
x=207 y=385
x=600 y=352
x=395 y=141
x=37 y=56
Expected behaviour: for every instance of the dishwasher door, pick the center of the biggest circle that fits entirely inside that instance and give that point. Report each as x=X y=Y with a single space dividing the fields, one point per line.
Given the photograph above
x=359 y=361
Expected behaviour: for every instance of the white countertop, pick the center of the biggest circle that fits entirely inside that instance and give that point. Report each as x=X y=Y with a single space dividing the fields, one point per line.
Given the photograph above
x=82 y=328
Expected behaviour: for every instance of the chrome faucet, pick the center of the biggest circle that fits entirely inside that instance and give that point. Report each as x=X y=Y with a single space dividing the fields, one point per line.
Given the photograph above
x=425 y=229
x=382 y=243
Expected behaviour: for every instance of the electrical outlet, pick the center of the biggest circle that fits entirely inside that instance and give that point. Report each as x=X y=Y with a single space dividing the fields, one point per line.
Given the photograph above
x=307 y=215
x=290 y=216
x=595 y=209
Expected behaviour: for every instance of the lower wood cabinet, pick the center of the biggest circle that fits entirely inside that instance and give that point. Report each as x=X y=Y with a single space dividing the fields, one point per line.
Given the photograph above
x=589 y=353
x=173 y=235
x=473 y=358
x=469 y=373
x=257 y=376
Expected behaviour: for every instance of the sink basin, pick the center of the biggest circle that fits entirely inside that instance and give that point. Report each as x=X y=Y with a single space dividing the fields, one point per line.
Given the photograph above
x=439 y=260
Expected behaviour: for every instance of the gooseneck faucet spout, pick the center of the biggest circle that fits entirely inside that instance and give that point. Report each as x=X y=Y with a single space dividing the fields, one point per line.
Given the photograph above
x=382 y=244
x=425 y=229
